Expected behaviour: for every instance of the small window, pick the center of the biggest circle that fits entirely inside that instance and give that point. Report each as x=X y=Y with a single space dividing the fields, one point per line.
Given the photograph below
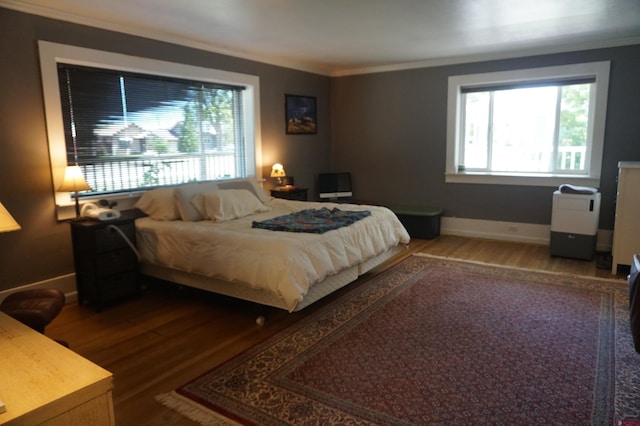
x=533 y=127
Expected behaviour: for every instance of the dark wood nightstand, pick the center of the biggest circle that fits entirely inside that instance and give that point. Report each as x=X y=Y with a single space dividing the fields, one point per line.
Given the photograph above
x=106 y=265
x=299 y=194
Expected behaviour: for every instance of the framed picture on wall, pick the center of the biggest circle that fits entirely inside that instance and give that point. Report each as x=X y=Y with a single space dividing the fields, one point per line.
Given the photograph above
x=300 y=115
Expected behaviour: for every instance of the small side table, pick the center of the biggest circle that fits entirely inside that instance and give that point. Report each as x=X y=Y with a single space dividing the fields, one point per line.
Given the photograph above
x=298 y=194
x=106 y=266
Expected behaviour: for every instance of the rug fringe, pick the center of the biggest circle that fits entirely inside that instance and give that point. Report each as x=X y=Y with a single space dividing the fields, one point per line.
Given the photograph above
x=193 y=411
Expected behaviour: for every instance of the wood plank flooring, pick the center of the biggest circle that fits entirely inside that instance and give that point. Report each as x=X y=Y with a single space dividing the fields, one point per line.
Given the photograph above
x=168 y=336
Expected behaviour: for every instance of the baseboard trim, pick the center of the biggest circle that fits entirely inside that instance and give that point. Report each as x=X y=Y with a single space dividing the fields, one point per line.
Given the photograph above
x=472 y=228
x=511 y=231
x=64 y=283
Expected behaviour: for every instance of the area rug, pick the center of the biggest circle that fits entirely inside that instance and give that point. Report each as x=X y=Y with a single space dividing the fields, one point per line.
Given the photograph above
x=438 y=341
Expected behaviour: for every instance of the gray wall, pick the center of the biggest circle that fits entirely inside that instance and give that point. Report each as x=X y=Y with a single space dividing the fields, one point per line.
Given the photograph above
x=389 y=130
x=42 y=249
x=368 y=124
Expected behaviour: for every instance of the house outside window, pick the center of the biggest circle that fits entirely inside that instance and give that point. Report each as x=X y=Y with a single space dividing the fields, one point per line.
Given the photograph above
x=134 y=123
x=542 y=126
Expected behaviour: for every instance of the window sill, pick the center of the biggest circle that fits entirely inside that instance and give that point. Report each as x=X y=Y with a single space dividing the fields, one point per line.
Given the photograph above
x=522 y=180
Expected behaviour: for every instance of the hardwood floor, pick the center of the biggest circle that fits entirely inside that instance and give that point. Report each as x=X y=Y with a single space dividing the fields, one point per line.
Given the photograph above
x=169 y=336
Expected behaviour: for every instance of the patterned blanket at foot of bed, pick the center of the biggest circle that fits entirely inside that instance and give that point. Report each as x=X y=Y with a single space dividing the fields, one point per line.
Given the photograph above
x=315 y=221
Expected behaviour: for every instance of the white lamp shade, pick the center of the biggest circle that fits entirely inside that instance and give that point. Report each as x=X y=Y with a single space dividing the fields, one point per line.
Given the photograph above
x=277 y=170
x=7 y=222
x=73 y=180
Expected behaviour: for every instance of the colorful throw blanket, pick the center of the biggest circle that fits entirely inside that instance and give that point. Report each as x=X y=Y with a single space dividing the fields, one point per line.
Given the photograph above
x=317 y=221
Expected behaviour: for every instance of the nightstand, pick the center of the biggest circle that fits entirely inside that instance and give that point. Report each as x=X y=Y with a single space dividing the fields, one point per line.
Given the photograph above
x=299 y=194
x=106 y=265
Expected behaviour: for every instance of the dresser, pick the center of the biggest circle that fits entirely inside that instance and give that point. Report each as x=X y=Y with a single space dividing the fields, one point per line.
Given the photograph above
x=626 y=229
x=105 y=262
x=44 y=382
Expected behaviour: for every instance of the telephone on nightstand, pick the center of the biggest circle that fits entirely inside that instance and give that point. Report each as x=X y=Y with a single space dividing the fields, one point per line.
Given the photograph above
x=99 y=213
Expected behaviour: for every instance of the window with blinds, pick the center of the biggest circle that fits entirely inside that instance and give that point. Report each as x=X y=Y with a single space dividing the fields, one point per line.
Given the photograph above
x=132 y=131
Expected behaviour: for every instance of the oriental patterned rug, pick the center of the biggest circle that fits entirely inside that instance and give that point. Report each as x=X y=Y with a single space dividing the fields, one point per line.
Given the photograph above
x=437 y=341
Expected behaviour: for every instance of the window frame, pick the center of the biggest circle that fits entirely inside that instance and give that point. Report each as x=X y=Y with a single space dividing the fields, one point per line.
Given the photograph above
x=597 y=113
x=53 y=53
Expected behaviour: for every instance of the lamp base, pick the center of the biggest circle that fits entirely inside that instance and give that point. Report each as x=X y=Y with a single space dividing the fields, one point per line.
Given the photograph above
x=77 y=205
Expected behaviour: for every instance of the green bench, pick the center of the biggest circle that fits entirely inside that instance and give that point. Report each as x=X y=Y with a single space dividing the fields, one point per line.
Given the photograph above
x=420 y=221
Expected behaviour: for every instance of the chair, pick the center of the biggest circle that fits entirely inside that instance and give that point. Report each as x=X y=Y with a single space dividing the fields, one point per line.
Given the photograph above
x=35 y=308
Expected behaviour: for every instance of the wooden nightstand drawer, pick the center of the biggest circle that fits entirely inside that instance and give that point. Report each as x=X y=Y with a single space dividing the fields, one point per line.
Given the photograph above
x=94 y=291
x=96 y=237
x=108 y=238
x=107 y=263
x=115 y=261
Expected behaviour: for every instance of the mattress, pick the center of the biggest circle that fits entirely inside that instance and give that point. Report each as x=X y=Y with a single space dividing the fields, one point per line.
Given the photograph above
x=284 y=264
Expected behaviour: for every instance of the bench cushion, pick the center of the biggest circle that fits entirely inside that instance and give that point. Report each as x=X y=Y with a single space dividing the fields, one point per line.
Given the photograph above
x=417 y=210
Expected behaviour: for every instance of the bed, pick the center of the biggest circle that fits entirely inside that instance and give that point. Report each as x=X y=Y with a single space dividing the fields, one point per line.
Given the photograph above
x=207 y=236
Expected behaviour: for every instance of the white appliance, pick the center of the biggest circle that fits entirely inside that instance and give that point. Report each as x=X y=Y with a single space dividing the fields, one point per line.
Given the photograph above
x=99 y=213
x=574 y=224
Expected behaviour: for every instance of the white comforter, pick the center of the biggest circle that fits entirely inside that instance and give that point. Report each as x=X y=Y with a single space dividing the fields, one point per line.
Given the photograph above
x=285 y=263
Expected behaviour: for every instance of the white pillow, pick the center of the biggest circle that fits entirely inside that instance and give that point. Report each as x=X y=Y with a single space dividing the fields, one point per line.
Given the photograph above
x=183 y=196
x=249 y=183
x=228 y=204
x=159 y=204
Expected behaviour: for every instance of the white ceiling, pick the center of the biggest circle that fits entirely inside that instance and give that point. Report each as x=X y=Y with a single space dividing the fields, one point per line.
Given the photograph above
x=338 y=37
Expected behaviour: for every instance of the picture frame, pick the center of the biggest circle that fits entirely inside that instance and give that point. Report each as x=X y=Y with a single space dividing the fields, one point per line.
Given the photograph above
x=300 y=115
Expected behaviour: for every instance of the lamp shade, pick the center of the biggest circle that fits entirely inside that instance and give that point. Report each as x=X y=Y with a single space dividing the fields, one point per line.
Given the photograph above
x=277 y=171
x=73 y=180
x=7 y=222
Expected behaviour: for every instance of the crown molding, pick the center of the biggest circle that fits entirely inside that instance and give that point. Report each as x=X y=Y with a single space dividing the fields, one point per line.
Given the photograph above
x=306 y=66
x=162 y=36
x=510 y=54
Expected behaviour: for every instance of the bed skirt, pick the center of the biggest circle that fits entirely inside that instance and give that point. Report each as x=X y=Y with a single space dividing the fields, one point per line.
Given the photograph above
x=240 y=291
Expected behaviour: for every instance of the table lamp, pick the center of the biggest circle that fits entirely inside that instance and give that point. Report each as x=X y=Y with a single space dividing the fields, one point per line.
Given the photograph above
x=277 y=171
x=74 y=182
x=7 y=222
